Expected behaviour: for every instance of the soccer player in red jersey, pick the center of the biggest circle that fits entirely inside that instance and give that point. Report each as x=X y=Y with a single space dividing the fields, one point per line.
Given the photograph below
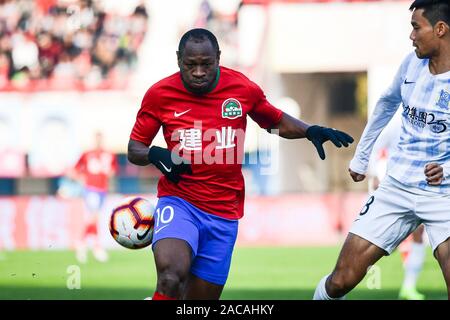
x=203 y=111
x=93 y=169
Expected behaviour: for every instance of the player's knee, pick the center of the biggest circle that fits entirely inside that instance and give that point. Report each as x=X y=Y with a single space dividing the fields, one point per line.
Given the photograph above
x=335 y=284
x=340 y=283
x=170 y=281
x=172 y=276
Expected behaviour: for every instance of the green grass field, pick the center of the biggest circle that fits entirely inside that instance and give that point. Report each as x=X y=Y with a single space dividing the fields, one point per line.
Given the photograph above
x=256 y=273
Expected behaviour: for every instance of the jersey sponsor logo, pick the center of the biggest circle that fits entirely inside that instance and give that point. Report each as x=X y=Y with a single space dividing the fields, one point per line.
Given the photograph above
x=179 y=114
x=408 y=82
x=231 y=109
x=420 y=119
x=444 y=98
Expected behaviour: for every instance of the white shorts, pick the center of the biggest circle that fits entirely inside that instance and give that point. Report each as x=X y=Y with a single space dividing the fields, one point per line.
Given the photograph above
x=395 y=210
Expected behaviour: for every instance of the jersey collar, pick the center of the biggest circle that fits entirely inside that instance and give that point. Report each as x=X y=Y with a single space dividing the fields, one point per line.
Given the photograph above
x=215 y=81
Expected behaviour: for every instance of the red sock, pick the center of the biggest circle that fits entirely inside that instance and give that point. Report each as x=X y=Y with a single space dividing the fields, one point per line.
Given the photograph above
x=159 y=296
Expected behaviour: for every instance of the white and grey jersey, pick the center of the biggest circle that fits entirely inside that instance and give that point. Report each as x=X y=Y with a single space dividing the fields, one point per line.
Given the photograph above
x=424 y=129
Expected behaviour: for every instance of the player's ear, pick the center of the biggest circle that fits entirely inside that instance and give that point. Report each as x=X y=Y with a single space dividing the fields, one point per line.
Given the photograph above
x=218 y=56
x=441 y=28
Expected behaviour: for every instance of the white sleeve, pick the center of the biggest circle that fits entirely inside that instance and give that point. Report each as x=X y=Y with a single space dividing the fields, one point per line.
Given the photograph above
x=386 y=141
x=384 y=110
x=446 y=168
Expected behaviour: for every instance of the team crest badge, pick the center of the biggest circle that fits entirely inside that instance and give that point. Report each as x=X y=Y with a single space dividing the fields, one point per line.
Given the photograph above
x=444 y=98
x=231 y=109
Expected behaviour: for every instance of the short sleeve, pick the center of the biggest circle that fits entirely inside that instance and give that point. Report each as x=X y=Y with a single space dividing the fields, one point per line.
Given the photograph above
x=147 y=120
x=263 y=113
x=81 y=163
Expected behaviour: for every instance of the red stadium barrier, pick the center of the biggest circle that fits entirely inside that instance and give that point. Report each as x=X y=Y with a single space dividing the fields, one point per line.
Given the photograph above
x=47 y=222
x=299 y=219
x=39 y=222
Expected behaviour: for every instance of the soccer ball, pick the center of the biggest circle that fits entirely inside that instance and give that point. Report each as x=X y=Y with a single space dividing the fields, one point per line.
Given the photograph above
x=131 y=223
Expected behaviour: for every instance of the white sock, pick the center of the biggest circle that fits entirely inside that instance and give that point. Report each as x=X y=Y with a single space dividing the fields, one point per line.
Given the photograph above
x=414 y=264
x=321 y=291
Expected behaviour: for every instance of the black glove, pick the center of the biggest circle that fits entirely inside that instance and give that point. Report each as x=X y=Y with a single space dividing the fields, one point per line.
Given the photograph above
x=318 y=135
x=170 y=164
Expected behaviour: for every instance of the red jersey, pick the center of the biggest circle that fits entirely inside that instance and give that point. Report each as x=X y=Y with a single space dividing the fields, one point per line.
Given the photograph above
x=208 y=130
x=97 y=166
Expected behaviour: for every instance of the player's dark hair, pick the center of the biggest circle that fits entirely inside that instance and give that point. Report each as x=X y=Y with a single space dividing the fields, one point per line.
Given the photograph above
x=434 y=10
x=198 y=35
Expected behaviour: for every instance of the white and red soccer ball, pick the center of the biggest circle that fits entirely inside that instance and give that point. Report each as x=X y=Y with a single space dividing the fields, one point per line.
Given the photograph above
x=131 y=223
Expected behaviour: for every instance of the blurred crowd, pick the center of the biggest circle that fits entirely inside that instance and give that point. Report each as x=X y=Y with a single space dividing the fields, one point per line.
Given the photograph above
x=223 y=22
x=55 y=44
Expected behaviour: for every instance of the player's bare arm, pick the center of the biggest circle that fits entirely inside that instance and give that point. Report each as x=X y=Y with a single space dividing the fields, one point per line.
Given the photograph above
x=434 y=173
x=292 y=128
x=138 y=153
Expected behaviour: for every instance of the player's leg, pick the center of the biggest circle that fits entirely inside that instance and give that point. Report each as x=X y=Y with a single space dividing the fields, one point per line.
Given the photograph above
x=175 y=242
x=349 y=271
x=418 y=234
x=199 y=289
x=384 y=221
x=81 y=244
x=98 y=251
x=442 y=254
x=433 y=210
x=93 y=202
x=173 y=261
x=209 y=270
x=413 y=263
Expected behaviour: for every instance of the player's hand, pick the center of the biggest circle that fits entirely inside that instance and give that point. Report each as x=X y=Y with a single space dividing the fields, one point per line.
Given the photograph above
x=318 y=135
x=170 y=164
x=434 y=173
x=357 y=177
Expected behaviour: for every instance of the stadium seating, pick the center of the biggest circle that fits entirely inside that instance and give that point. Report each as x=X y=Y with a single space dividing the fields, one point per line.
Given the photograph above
x=54 y=45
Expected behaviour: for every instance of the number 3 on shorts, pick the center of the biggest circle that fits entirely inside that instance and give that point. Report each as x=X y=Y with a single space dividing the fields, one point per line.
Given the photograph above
x=164 y=216
x=366 y=206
